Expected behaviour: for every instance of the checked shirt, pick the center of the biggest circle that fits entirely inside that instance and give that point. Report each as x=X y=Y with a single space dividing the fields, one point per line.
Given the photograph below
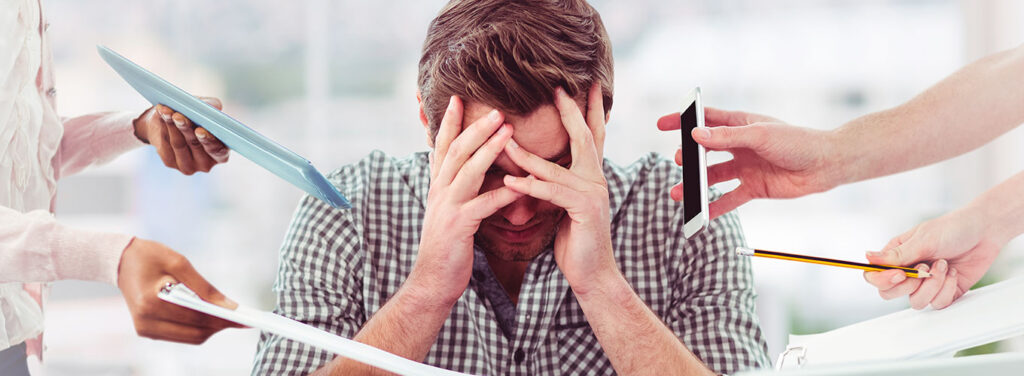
x=338 y=267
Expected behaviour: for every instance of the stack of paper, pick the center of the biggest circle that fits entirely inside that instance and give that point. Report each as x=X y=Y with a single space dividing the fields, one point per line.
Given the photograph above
x=981 y=316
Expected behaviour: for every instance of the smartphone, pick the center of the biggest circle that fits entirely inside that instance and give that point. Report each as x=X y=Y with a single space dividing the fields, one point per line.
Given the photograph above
x=695 y=168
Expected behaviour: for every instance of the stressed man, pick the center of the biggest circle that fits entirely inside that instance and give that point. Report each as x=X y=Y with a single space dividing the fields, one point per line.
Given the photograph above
x=514 y=247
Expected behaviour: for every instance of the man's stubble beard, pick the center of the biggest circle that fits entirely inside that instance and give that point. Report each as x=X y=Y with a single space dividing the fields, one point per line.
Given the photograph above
x=524 y=251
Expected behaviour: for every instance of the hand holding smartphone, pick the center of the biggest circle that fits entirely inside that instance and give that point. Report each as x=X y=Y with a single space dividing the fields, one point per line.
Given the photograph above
x=695 y=168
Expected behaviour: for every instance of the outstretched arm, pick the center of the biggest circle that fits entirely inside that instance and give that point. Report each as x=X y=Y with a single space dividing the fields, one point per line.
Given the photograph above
x=959 y=246
x=775 y=160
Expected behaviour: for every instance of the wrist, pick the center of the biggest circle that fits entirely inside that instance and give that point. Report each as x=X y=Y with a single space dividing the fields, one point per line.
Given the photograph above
x=428 y=294
x=610 y=284
x=139 y=128
x=998 y=219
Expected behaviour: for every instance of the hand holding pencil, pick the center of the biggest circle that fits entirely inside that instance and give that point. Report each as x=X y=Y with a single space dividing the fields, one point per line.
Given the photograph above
x=956 y=248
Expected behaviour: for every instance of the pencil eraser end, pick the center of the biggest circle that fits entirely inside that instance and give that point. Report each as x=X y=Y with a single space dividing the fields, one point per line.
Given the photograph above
x=744 y=251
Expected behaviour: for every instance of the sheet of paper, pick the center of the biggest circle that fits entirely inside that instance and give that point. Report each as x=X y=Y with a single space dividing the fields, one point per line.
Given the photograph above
x=294 y=330
x=981 y=316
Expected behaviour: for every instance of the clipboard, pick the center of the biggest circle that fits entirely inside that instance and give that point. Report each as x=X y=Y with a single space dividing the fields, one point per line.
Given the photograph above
x=178 y=293
x=243 y=140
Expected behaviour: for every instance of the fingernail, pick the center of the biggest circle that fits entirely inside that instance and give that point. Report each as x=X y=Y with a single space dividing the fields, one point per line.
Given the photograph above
x=179 y=123
x=510 y=179
x=940 y=266
x=897 y=278
x=201 y=135
x=513 y=144
x=702 y=134
x=874 y=254
x=493 y=115
x=451 y=102
x=165 y=117
x=559 y=91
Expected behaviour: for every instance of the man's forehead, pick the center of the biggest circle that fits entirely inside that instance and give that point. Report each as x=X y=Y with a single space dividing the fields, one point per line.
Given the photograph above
x=540 y=132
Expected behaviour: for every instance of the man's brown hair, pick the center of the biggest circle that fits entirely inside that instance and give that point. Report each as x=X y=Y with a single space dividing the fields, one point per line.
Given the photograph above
x=512 y=54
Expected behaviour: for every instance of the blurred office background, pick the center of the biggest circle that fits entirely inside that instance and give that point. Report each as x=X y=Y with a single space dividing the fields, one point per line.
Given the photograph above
x=334 y=80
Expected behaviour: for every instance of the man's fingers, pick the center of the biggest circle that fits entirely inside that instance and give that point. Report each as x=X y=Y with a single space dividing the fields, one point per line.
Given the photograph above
x=554 y=193
x=542 y=168
x=596 y=117
x=212 y=145
x=729 y=201
x=490 y=202
x=679 y=157
x=451 y=125
x=471 y=175
x=467 y=142
x=721 y=172
x=930 y=287
x=581 y=140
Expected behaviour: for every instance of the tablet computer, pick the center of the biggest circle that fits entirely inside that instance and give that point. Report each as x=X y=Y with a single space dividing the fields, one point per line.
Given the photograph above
x=235 y=135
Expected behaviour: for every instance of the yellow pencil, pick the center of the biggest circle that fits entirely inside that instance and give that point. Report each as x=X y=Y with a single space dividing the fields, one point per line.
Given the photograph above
x=910 y=272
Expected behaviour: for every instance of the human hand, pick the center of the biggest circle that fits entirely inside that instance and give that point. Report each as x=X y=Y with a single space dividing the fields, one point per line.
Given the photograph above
x=145 y=268
x=455 y=207
x=583 y=247
x=770 y=158
x=179 y=143
x=959 y=247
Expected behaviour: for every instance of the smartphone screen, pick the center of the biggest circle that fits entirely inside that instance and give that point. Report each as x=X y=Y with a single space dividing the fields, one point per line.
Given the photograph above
x=691 y=164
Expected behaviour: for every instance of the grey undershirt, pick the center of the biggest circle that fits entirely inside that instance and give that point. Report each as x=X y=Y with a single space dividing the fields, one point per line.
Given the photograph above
x=492 y=290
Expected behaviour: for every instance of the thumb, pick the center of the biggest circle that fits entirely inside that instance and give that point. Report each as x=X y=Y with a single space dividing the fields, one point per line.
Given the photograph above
x=213 y=102
x=899 y=255
x=195 y=282
x=721 y=138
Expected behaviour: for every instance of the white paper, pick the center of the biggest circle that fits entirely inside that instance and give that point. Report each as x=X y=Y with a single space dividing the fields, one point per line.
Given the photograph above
x=981 y=316
x=294 y=330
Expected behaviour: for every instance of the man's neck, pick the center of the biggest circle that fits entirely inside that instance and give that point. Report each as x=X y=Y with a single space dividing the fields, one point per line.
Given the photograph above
x=509 y=274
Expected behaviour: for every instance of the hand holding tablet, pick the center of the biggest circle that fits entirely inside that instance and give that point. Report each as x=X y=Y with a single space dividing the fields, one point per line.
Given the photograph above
x=244 y=140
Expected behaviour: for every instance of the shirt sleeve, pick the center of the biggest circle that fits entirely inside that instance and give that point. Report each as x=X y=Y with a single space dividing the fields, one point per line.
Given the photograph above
x=318 y=284
x=714 y=299
x=96 y=139
x=35 y=248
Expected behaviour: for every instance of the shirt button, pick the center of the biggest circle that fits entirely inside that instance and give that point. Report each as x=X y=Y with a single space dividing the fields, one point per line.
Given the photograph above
x=51 y=92
x=519 y=356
